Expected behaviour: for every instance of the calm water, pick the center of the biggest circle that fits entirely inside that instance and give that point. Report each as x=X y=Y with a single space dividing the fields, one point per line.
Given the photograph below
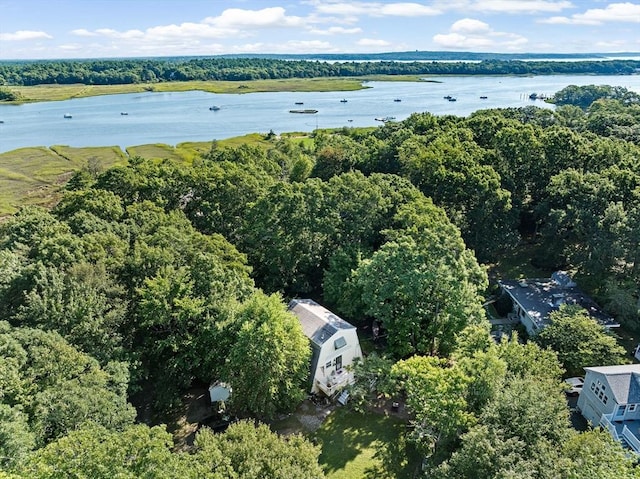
x=172 y=118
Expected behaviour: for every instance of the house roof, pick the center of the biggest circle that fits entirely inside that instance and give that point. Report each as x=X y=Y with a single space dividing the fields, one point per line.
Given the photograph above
x=540 y=297
x=318 y=323
x=623 y=381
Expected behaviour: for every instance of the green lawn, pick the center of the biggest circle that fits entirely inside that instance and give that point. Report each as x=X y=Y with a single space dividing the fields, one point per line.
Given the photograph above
x=367 y=445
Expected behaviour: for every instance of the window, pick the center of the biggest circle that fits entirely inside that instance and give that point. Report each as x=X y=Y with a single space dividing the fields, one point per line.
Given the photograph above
x=631 y=407
x=340 y=342
x=599 y=391
x=328 y=365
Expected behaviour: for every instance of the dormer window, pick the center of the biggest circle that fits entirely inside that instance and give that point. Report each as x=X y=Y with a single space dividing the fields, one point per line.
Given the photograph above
x=340 y=343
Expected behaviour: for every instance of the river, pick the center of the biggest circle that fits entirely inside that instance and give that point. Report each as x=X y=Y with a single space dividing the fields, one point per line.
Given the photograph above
x=173 y=118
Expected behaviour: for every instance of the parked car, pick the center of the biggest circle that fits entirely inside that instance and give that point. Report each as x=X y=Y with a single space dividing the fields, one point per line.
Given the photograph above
x=574 y=386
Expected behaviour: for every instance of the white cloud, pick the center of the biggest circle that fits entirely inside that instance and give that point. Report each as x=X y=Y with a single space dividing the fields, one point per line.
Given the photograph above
x=23 y=35
x=267 y=17
x=186 y=31
x=471 y=34
x=375 y=9
x=469 y=25
x=614 y=12
x=231 y=23
x=71 y=47
x=612 y=44
x=336 y=31
x=520 y=6
x=371 y=42
x=108 y=32
x=83 y=32
x=458 y=41
x=308 y=46
x=409 y=10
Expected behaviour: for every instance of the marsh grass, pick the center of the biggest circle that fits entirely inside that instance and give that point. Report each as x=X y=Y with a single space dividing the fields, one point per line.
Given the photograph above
x=67 y=92
x=35 y=175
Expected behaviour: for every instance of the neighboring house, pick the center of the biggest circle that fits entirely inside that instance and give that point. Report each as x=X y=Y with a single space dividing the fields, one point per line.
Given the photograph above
x=535 y=299
x=334 y=343
x=610 y=398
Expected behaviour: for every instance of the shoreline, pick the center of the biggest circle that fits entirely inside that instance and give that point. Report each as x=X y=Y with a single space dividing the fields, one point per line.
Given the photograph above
x=51 y=92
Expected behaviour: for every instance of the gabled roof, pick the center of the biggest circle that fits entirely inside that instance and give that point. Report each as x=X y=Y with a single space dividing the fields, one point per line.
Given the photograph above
x=623 y=381
x=540 y=297
x=318 y=323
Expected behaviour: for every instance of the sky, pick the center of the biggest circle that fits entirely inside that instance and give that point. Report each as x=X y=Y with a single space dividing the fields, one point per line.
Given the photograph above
x=48 y=29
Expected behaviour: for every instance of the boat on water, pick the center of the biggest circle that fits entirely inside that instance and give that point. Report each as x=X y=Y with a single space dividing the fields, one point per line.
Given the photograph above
x=299 y=103
x=307 y=111
x=452 y=99
x=344 y=100
x=214 y=108
x=448 y=97
x=397 y=99
x=124 y=113
x=385 y=119
x=67 y=115
x=483 y=97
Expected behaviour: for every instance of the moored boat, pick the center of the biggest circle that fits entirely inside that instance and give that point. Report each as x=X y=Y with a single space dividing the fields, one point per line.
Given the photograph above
x=124 y=113
x=397 y=99
x=214 y=108
x=67 y=115
x=307 y=111
x=483 y=97
x=344 y=100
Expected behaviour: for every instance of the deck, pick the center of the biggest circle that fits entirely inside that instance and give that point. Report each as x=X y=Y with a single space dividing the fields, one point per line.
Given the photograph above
x=335 y=383
x=627 y=432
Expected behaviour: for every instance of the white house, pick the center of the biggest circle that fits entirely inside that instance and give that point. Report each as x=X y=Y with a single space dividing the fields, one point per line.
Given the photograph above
x=334 y=343
x=610 y=398
x=535 y=299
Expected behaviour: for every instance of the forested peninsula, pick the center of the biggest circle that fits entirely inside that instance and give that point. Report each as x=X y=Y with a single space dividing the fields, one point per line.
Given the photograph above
x=133 y=71
x=153 y=277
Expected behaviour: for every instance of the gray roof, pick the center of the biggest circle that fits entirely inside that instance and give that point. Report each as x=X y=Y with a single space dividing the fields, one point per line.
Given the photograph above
x=540 y=297
x=318 y=323
x=623 y=381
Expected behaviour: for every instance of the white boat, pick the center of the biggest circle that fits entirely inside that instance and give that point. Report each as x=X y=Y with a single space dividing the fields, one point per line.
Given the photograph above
x=67 y=115
x=214 y=108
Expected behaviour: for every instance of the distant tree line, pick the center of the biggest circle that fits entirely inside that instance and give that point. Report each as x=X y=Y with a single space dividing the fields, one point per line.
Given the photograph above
x=131 y=71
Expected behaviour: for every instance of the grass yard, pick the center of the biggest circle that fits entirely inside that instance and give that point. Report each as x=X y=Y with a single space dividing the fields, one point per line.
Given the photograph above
x=516 y=264
x=367 y=445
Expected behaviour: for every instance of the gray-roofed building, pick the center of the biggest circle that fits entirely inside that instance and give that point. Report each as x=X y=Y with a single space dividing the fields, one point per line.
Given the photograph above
x=611 y=398
x=334 y=343
x=535 y=299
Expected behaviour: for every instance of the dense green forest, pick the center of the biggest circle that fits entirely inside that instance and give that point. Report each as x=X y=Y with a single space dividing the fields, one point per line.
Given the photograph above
x=147 y=278
x=128 y=71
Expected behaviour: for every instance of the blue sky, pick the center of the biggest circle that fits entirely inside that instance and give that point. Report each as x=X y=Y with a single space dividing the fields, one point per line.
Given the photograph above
x=31 y=29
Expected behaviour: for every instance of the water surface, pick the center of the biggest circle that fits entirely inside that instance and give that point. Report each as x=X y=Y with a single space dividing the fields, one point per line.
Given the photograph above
x=173 y=118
